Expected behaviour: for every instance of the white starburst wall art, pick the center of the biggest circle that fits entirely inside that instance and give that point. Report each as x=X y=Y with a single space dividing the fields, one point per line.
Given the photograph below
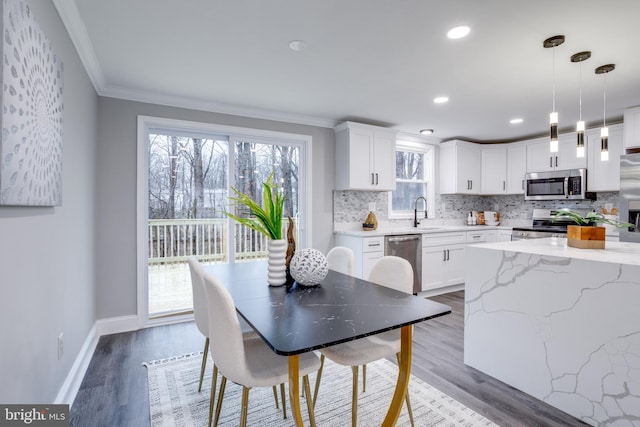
x=32 y=89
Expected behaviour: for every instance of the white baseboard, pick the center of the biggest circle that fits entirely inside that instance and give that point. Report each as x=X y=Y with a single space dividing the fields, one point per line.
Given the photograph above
x=440 y=291
x=71 y=385
x=116 y=325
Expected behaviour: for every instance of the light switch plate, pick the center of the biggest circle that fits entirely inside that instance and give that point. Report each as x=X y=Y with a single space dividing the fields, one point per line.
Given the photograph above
x=372 y=206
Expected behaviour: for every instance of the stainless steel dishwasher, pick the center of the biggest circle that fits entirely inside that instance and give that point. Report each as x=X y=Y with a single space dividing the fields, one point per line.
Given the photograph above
x=409 y=247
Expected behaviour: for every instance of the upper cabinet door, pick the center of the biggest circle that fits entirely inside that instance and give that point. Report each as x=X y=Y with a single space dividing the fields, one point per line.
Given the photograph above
x=494 y=170
x=516 y=168
x=632 y=127
x=460 y=167
x=365 y=157
x=604 y=175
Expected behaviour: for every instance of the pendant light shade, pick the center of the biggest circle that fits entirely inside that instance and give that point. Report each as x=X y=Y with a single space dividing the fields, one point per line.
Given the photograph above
x=552 y=42
x=604 y=131
x=580 y=57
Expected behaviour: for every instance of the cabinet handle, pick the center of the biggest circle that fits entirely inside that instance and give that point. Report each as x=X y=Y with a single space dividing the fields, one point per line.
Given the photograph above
x=551 y=161
x=372 y=182
x=556 y=161
x=471 y=184
x=444 y=255
x=376 y=179
x=504 y=185
x=447 y=254
x=523 y=184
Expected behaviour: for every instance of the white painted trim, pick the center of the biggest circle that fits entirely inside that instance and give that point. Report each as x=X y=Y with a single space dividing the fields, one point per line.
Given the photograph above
x=142 y=210
x=117 y=325
x=70 y=16
x=69 y=390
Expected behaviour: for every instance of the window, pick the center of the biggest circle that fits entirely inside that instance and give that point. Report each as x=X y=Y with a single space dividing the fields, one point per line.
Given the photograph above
x=414 y=178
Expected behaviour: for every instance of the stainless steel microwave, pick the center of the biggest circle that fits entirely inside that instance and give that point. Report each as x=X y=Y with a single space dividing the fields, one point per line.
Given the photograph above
x=557 y=185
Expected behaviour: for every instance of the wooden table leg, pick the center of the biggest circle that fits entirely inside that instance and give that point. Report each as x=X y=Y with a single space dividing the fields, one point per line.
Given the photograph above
x=404 y=372
x=294 y=389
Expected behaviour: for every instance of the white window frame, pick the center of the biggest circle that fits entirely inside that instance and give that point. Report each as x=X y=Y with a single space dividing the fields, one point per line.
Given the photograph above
x=147 y=124
x=429 y=162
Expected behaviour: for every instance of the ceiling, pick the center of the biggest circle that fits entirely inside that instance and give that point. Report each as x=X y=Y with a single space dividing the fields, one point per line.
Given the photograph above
x=372 y=61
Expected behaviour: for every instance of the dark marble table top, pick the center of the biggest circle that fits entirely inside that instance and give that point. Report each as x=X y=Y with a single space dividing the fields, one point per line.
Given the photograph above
x=300 y=319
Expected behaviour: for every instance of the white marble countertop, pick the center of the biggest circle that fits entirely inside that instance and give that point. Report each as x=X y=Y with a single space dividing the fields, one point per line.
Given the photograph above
x=390 y=231
x=614 y=252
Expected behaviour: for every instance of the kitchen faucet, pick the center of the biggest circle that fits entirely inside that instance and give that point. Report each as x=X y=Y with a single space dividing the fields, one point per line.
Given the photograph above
x=415 y=210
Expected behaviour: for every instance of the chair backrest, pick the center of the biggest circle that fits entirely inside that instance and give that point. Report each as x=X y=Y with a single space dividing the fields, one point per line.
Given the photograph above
x=200 y=308
x=226 y=334
x=393 y=272
x=340 y=259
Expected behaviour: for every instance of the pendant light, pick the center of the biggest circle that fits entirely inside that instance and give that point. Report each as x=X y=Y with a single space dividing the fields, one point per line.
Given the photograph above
x=579 y=58
x=552 y=42
x=604 y=131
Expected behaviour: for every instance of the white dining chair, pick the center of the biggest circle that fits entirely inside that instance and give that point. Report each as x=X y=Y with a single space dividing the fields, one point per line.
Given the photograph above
x=340 y=259
x=248 y=362
x=201 y=317
x=392 y=272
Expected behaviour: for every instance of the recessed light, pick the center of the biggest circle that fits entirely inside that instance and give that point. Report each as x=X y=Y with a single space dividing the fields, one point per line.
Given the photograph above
x=426 y=131
x=298 y=45
x=516 y=121
x=458 y=32
x=440 y=100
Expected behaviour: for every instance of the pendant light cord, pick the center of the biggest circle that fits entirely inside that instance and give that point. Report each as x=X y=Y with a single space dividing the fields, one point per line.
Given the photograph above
x=580 y=103
x=604 y=101
x=553 y=87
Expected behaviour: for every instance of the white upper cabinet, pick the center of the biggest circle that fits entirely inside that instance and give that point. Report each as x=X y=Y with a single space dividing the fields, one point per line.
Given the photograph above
x=494 y=169
x=365 y=157
x=459 y=167
x=539 y=159
x=516 y=168
x=604 y=175
x=632 y=127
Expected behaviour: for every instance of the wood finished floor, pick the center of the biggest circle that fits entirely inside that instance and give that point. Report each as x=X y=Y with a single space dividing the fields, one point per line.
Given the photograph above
x=114 y=391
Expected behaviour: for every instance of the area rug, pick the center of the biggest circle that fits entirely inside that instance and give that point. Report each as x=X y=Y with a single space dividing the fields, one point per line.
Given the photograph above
x=175 y=401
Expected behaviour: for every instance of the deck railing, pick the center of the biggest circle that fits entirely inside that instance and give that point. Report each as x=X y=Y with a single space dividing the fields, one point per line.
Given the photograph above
x=173 y=240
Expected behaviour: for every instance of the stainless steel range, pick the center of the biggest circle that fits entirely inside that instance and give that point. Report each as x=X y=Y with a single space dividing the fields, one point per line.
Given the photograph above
x=544 y=224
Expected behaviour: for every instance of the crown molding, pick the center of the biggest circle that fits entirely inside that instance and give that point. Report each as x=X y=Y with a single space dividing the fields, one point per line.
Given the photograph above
x=212 y=106
x=77 y=31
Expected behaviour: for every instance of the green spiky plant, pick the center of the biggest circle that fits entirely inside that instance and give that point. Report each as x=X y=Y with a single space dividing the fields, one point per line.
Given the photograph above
x=591 y=219
x=268 y=217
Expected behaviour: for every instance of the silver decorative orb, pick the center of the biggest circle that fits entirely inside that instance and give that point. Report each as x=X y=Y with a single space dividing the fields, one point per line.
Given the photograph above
x=308 y=267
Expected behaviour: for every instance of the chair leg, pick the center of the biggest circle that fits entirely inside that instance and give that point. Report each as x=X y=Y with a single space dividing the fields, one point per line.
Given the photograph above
x=214 y=381
x=275 y=397
x=354 y=397
x=317 y=386
x=406 y=398
x=245 y=406
x=204 y=362
x=307 y=393
x=284 y=401
x=223 y=384
x=364 y=378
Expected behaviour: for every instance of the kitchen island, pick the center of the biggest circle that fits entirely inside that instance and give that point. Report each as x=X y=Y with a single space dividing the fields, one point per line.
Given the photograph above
x=559 y=323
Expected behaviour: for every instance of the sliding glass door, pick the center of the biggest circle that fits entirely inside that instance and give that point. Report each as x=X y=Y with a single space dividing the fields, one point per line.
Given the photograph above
x=189 y=179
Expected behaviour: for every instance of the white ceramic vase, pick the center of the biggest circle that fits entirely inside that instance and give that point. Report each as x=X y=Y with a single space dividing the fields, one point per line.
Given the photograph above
x=277 y=250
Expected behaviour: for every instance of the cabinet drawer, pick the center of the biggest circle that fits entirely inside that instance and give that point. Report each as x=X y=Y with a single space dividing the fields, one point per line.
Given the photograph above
x=439 y=239
x=373 y=244
x=476 y=236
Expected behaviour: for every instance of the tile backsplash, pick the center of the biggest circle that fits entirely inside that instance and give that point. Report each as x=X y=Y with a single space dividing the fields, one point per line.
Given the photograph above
x=352 y=207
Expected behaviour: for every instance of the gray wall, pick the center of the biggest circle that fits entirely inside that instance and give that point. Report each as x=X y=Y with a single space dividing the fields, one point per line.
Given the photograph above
x=47 y=254
x=116 y=207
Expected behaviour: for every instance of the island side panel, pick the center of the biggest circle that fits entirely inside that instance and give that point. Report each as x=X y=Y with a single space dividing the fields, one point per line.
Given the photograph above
x=566 y=331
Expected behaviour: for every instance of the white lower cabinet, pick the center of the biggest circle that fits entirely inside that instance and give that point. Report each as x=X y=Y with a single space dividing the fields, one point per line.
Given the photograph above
x=443 y=259
x=366 y=251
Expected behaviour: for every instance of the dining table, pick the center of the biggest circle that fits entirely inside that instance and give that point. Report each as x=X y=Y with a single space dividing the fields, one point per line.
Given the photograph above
x=294 y=319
